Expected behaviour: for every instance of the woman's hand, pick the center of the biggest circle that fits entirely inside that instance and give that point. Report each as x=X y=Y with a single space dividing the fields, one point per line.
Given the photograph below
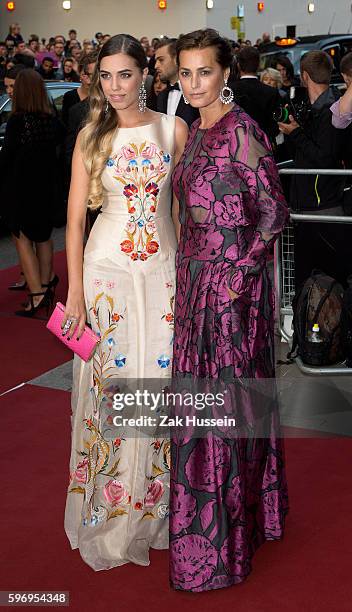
x=75 y=315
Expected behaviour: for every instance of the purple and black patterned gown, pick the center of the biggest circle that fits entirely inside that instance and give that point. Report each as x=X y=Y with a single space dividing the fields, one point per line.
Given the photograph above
x=228 y=494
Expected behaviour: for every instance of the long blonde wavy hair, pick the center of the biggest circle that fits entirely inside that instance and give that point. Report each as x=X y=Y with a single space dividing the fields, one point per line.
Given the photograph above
x=97 y=135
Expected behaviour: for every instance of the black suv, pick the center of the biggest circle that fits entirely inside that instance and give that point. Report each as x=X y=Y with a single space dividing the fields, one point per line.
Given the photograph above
x=336 y=45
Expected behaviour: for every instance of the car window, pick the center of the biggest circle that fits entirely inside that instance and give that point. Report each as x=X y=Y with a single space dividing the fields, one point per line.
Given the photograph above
x=346 y=47
x=294 y=54
x=298 y=53
x=334 y=52
x=57 y=96
x=268 y=60
x=4 y=116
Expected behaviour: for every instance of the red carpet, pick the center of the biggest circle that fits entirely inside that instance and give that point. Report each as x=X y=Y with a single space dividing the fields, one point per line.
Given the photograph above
x=308 y=572
x=28 y=349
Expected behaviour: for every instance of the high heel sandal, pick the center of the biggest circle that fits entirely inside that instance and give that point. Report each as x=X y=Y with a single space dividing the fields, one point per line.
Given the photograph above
x=46 y=302
x=52 y=284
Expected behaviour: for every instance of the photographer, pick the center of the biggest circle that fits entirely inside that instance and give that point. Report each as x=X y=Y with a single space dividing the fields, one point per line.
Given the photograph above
x=318 y=144
x=315 y=141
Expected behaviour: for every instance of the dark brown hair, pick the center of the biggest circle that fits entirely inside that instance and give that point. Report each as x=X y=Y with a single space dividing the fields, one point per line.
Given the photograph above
x=318 y=65
x=248 y=59
x=346 y=64
x=170 y=43
x=85 y=60
x=202 y=39
x=284 y=61
x=29 y=94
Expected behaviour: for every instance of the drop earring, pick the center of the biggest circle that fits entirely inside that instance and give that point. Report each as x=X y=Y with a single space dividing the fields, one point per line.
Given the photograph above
x=106 y=109
x=142 y=98
x=185 y=99
x=226 y=94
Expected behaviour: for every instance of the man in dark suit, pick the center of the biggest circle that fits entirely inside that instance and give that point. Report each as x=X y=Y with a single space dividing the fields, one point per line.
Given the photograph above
x=170 y=101
x=77 y=117
x=257 y=99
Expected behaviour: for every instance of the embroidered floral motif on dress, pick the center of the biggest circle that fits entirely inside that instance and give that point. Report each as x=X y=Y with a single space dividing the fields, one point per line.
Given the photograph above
x=104 y=358
x=168 y=316
x=141 y=169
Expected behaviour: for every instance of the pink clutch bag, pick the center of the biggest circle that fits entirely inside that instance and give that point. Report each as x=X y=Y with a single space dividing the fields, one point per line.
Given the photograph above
x=85 y=346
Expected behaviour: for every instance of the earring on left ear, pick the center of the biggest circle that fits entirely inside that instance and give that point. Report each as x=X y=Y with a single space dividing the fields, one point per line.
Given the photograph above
x=226 y=94
x=142 y=98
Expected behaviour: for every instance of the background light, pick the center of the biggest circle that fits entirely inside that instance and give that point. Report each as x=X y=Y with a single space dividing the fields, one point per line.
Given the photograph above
x=10 y=6
x=162 y=5
x=210 y=4
x=66 y=5
x=311 y=7
x=260 y=7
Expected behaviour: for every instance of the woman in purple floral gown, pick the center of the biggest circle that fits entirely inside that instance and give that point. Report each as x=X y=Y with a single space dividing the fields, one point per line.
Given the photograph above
x=228 y=494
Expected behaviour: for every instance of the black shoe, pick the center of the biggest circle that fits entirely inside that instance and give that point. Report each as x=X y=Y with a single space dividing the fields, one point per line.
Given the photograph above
x=46 y=303
x=52 y=284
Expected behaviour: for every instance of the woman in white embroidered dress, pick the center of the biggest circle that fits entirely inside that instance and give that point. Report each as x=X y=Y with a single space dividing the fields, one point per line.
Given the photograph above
x=123 y=284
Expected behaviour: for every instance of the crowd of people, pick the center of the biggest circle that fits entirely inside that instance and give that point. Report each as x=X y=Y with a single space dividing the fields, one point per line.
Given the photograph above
x=179 y=290
x=58 y=58
x=310 y=137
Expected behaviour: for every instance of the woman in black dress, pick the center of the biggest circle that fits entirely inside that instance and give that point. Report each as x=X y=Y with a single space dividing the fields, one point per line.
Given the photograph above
x=30 y=194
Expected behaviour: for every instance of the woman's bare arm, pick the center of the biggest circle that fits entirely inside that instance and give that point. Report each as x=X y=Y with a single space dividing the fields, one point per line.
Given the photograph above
x=76 y=219
x=181 y=135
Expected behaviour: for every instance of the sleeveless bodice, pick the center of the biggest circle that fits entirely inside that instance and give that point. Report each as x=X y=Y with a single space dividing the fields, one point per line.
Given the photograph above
x=135 y=223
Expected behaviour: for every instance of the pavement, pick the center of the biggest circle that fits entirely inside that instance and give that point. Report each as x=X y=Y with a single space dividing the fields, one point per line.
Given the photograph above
x=308 y=403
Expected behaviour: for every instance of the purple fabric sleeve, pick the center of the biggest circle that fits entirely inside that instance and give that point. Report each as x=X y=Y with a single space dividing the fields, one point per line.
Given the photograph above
x=264 y=186
x=340 y=121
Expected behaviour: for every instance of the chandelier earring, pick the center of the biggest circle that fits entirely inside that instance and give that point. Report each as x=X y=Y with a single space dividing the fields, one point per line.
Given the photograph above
x=226 y=94
x=142 y=98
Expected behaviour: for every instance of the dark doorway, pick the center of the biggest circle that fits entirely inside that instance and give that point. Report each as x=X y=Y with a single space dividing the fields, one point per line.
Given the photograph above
x=291 y=31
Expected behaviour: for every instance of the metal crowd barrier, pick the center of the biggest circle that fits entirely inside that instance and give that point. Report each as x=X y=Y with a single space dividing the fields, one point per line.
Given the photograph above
x=284 y=270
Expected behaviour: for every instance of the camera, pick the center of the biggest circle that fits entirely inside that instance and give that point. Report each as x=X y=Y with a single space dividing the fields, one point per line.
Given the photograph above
x=298 y=106
x=281 y=114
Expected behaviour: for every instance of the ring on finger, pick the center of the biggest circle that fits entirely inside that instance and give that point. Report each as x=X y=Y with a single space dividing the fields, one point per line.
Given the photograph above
x=67 y=326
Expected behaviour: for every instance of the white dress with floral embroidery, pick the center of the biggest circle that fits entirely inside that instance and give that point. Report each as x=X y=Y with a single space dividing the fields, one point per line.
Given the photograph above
x=117 y=501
